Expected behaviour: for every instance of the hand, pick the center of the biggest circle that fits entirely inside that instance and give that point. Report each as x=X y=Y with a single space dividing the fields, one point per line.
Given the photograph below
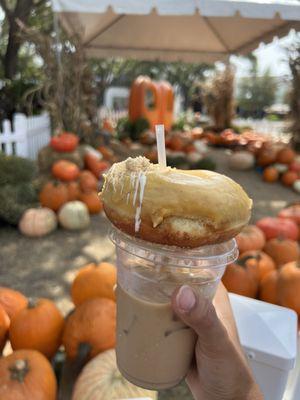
x=220 y=370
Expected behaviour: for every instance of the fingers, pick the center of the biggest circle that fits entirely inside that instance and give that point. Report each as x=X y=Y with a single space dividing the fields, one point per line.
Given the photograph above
x=225 y=313
x=199 y=313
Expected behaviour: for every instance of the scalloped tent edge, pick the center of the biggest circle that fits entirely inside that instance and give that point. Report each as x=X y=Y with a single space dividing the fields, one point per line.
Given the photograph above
x=176 y=30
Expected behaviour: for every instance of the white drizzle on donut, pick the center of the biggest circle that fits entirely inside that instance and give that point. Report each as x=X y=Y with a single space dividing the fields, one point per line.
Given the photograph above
x=141 y=183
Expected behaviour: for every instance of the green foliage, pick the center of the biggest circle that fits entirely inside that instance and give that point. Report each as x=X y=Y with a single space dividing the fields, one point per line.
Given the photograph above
x=15 y=170
x=185 y=121
x=17 y=190
x=15 y=199
x=273 y=117
x=206 y=163
x=256 y=92
x=132 y=130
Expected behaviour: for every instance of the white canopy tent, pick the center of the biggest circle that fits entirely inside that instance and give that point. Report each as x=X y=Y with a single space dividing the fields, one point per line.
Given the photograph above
x=170 y=30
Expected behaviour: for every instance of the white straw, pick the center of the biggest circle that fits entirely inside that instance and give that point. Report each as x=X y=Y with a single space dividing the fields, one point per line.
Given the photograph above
x=161 y=146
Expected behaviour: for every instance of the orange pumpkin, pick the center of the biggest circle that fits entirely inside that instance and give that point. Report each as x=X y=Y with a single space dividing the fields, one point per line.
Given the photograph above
x=73 y=191
x=26 y=375
x=289 y=286
x=92 y=201
x=95 y=165
x=242 y=277
x=107 y=153
x=286 y=156
x=250 y=238
x=276 y=227
x=87 y=181
x=263 y=261
x=4 y=325
x=266 y=156
x=65 y=170
x=189 y=148
x=176 y=143
x=93 y=323
x=289 y=177
x=94 y=281
x=12 y=301
x=282 y=250
x=64 y=142
x=37 y=327
x=53 y=195
x=270 y=174
x=152 y=156
x=268 y=290
x=292 y=212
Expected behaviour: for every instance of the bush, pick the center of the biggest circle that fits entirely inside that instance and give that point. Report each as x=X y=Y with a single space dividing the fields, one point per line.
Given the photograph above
x=15 y=170
x=132 y=130
x=15 y=199
x=17 y=190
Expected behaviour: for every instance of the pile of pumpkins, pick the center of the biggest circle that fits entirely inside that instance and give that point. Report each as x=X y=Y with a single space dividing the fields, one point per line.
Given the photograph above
x=280 y=164
x=247 y=140
x=70 y=194
x=36 y=330
x=268 y=267
x=184 y=149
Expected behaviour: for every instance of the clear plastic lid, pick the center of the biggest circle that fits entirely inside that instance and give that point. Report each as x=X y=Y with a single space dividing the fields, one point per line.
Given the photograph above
x=209 y=256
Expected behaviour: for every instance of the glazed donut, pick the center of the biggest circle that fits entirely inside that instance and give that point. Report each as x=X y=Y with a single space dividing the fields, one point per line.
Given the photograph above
x=174 y=207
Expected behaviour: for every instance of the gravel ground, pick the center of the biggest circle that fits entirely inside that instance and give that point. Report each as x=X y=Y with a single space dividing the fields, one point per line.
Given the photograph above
x=45 y=267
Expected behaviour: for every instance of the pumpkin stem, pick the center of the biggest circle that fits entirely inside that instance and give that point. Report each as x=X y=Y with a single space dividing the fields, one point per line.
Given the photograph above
x=19 y=370
x=242 y=261
x=32 y=302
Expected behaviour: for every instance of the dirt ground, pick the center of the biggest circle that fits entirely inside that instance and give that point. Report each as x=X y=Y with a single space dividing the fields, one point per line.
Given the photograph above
x=45 y=267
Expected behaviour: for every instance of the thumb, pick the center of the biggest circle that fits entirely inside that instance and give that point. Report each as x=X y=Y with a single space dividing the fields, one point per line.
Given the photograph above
x=198 y=312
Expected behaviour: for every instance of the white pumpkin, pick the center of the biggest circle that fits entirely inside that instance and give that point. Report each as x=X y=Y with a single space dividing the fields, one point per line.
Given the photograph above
x=74 y=215
x=37 y=222
x=281 y=168
x=241 y=160
x=296 y=186
x=100 y=379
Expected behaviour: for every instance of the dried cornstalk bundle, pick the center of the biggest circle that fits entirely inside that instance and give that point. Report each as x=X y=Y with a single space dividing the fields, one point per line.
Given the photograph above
x=218 y=98
x=67 y=91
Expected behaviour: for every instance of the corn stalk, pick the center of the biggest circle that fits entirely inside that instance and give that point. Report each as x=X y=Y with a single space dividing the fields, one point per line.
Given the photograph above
x=67 y=90
x=218 y=98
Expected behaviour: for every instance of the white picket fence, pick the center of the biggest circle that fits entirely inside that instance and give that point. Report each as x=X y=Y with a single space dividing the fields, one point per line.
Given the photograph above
x=25 y=136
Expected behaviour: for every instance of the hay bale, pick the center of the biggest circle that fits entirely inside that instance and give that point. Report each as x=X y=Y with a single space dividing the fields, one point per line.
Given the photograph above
x=47 y=157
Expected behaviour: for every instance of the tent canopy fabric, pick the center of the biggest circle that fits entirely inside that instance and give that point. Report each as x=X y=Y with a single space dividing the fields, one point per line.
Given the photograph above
x=171 y=30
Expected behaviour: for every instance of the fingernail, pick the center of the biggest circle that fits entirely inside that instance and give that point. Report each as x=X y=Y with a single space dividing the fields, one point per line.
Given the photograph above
x=185 y=299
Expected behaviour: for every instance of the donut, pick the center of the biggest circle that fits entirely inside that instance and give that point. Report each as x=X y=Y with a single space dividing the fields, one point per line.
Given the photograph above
x=172 y=206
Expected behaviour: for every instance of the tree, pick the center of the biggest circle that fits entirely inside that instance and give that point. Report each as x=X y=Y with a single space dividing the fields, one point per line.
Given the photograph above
x=256 y=92
x=17 y=13
x=294 y=62
x=123 y=72
x=19 y=67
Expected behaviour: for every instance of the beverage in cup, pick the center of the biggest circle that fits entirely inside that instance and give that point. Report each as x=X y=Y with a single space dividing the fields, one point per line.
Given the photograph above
x=154 y=347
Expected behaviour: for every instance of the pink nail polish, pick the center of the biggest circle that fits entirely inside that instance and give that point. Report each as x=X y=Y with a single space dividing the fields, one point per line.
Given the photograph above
x=185 y=299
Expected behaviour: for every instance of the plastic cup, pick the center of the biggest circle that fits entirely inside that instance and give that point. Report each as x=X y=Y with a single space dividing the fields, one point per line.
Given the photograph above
x=154 y=348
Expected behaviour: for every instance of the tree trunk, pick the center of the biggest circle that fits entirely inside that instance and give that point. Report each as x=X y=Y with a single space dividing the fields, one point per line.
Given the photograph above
x=21 y=12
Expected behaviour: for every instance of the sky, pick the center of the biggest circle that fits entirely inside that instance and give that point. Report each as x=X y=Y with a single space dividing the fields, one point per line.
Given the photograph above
x=270 y=56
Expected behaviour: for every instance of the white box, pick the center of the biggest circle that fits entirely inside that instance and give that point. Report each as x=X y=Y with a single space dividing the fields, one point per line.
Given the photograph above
x=268 y=334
